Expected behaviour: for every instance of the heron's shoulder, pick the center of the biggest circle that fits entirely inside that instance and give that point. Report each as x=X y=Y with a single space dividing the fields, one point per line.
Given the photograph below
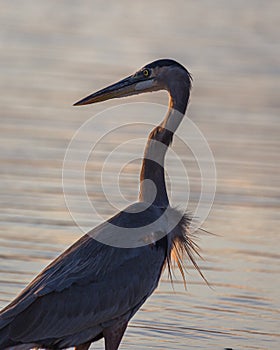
x=131 y=226
x=137 y=225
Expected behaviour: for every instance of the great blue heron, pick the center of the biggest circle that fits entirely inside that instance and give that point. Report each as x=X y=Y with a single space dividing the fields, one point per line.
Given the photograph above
x=93 y=289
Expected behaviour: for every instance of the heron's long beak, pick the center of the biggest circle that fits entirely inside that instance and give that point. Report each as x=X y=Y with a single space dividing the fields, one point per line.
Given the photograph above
x=131 y=85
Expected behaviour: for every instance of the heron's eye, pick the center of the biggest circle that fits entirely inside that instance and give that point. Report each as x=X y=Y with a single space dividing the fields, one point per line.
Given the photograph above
x=146 y=73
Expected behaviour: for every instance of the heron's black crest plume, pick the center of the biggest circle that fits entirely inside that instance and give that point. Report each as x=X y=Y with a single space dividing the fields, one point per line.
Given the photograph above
x=164 y=62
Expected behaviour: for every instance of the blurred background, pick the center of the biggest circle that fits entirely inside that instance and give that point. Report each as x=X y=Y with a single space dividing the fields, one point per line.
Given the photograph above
x=56 y=52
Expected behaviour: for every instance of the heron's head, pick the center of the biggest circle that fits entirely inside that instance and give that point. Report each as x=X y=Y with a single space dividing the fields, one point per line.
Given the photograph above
x=164 y=74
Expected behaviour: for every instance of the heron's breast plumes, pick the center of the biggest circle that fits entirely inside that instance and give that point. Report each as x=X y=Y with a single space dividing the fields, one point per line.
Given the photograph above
x=182 y=248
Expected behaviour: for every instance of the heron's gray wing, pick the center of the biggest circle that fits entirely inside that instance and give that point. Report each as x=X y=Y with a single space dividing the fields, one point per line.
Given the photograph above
x=89 y=284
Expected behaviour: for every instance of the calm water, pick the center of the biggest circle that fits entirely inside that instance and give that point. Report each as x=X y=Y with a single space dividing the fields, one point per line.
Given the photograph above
x=52 y=54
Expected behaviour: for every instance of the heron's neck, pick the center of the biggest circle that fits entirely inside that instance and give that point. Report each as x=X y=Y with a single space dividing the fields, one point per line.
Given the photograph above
x=152 y=178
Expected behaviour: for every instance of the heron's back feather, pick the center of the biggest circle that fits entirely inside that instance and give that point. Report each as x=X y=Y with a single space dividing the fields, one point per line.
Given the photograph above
x=86 y=287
